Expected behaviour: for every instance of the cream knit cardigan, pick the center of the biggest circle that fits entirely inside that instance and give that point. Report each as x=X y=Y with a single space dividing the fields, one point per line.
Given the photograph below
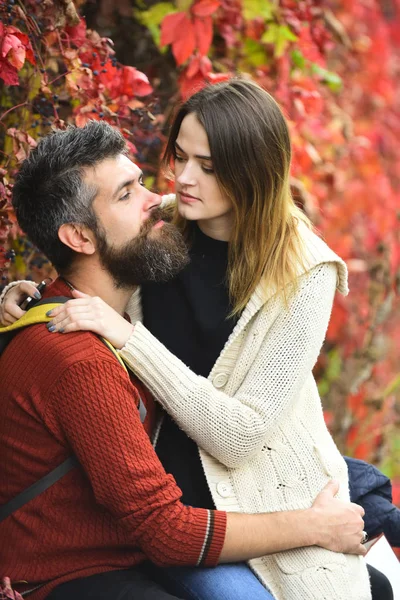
x=258 y=419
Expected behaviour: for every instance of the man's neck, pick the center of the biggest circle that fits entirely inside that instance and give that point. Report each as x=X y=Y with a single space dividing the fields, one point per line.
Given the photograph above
x=95 y=281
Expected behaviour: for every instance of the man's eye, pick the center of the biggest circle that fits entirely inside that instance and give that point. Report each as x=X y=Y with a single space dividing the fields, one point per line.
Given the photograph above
x=125 y=196
x=141 y=181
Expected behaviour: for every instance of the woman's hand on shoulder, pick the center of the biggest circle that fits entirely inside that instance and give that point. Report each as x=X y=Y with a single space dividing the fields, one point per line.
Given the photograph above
x=90 y=313
x=10 y=310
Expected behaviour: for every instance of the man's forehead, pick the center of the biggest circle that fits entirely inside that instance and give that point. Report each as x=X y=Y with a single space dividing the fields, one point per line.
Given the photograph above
x=111 y=169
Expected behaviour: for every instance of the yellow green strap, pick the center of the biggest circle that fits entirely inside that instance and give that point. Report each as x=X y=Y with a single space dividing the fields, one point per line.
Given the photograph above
x=35 y=315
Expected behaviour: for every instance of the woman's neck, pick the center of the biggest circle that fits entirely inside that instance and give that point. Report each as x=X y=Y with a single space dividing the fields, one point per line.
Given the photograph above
x=219 y=228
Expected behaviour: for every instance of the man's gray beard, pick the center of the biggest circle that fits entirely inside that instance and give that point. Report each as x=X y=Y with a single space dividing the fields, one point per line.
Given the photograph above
x=154 y=255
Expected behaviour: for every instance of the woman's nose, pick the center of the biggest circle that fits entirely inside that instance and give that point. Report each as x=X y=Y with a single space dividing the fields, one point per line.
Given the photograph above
x=186 y=176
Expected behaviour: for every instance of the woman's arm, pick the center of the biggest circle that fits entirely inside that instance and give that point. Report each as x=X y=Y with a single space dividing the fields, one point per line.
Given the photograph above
x=231 y=428
x=234 y=428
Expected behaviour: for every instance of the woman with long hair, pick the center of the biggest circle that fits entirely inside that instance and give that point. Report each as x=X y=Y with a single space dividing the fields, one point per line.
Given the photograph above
x=229 y=345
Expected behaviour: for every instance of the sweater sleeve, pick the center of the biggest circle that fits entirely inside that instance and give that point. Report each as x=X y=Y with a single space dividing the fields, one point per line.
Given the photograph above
x=233 y=429
x=94 y=405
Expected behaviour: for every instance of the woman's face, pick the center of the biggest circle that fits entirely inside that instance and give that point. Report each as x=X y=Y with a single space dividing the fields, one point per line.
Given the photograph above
x=199 y=196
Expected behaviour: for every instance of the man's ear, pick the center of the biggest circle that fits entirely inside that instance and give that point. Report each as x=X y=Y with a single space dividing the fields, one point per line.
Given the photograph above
x=77 y=237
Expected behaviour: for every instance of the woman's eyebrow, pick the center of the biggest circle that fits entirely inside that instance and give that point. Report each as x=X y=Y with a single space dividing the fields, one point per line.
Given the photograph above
x=196 y=155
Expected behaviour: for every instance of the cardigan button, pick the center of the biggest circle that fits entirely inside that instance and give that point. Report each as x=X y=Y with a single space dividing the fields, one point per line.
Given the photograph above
x=224 y=489
x=220 y=380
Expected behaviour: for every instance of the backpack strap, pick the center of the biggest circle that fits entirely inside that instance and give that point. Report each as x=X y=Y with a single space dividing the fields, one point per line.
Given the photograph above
x=38 y=487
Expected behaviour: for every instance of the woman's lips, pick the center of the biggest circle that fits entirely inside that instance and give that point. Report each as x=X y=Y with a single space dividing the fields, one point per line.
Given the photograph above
x=158 y=224
x=187 y=199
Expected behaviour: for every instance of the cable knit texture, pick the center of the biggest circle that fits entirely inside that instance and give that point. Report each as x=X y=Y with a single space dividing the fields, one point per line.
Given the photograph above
x=66 y=395
x=258 y=419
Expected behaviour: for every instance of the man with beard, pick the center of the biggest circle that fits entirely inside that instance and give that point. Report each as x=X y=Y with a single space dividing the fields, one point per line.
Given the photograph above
x=82 y=202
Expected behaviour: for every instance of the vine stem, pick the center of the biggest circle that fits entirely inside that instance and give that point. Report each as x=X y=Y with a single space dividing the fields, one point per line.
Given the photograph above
x=11 y=109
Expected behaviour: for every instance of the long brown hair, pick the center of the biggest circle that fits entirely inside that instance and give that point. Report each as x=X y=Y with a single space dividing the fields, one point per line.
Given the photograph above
x=251 y=153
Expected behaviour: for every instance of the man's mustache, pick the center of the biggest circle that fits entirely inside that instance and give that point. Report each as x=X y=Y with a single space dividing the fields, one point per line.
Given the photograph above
x=157 y=214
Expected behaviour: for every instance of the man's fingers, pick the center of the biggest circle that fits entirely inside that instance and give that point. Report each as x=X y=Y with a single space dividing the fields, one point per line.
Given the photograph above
x=361 y=550
x=331 y=489
x=358 y=508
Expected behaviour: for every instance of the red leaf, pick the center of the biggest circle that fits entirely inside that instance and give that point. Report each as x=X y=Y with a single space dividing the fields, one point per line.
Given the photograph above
x=205 y=65
x=77 y=34
x=184 y=46
x=23 y=40
x=193 y=67
x=135 y=83
x=188 y=86
x=205 y=8
x=8 y=73
x=217 y=77
x=13 y=50
x=172 y=26
x=204 y=32
x=16 y=57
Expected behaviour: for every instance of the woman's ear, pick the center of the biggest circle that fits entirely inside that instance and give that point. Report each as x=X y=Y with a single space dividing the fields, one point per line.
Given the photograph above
x=77 y=237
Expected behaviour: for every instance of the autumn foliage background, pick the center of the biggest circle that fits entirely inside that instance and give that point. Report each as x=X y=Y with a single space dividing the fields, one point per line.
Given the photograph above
x=334 y=66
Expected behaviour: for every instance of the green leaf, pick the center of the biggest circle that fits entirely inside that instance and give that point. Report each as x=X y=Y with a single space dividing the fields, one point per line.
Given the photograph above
x=333 y=81
x=298 y=59
x=334 y=365
x=149 y=182
x=152 y=18
x=255 y=53
x=183 y=5
x=254 y=9
x=279 y=36
x=392 y=387
x=323 y=387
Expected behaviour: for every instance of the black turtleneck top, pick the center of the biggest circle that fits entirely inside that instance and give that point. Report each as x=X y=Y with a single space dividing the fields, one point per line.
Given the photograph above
x=189 y=315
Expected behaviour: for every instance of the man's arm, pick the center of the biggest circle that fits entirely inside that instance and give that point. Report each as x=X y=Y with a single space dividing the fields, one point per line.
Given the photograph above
x=94 y=407
x=329 y=523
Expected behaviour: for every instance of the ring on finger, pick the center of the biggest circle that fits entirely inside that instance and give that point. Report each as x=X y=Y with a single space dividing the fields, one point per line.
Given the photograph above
x=364 y=538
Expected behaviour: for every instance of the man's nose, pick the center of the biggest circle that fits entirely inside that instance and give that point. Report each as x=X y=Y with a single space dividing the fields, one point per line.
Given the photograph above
x=152 y=201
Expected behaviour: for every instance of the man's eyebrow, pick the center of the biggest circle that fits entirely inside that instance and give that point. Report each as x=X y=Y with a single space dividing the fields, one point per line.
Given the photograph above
x=125 y=184
x=196 y=155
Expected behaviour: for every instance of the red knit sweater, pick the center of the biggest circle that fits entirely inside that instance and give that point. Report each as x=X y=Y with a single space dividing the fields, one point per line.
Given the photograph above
x=64 y=395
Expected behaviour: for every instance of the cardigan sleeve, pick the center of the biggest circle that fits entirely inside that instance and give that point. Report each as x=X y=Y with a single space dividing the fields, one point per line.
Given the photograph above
x=233 y=429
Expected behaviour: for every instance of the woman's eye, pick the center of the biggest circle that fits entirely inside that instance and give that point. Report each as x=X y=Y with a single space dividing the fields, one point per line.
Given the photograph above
x=208 y=170
x=179 y=158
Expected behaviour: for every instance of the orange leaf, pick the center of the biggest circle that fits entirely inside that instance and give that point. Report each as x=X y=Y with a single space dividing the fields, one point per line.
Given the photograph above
x=204 y=32
x=16 y=57
x=205 y=8
x=172 y=26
